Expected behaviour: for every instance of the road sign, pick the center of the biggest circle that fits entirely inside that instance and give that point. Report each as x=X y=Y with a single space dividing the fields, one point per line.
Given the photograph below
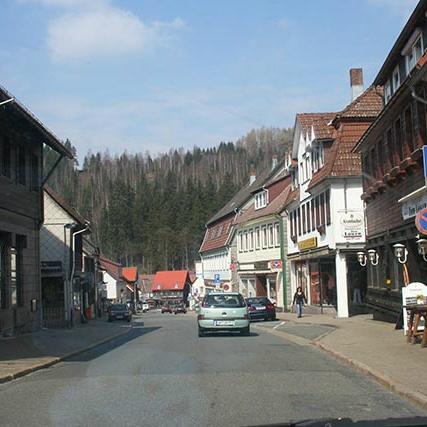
x=421 y=221
x=217 y=280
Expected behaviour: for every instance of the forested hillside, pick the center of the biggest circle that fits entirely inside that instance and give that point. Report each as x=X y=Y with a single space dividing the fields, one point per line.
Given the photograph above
x=152 y=211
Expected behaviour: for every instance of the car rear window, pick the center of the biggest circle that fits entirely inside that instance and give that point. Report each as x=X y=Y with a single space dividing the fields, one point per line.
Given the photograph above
x=118 y=307
x=223 y=301
x=258 y=301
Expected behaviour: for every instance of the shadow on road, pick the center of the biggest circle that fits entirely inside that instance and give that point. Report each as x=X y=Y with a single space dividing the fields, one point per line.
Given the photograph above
x=228 y=334
x=98 y=351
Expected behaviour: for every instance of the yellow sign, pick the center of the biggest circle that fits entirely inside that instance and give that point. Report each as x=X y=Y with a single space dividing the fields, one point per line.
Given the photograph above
x=307 y=244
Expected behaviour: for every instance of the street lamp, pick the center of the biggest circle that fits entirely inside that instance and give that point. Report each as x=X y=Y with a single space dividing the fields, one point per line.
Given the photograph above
x=373 y=256
x=400 y=252
x=361 y=257
x=422 y=248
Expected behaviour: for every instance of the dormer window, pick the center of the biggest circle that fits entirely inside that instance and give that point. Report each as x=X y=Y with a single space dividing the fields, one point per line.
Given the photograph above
x=387 y=91
x=261 y=199
x=396 y=79
x=413 y=50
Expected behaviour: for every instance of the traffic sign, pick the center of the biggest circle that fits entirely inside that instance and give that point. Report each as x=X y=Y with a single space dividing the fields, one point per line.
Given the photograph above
x=421 y=221
x=217 y=280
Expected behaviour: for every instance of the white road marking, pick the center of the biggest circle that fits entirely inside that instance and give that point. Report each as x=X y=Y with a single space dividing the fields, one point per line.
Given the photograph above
x=280 y=324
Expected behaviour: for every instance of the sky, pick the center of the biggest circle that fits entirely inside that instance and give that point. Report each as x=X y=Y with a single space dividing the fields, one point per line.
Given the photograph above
x=151 y=75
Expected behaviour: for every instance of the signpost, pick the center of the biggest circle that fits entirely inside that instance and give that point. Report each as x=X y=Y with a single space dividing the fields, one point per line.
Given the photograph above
x=217 y=280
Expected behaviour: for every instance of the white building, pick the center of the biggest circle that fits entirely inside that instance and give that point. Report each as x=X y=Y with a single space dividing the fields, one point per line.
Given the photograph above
x=325 y=211
x=112 y=279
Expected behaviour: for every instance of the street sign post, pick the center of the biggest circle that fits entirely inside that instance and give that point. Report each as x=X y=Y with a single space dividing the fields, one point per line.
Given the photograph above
x=217 y=280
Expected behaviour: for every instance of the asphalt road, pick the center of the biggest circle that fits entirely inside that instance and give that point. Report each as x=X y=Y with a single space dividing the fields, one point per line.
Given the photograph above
x=162 y=374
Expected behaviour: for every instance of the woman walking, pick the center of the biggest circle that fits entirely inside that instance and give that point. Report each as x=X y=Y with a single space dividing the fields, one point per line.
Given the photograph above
x=299 y=300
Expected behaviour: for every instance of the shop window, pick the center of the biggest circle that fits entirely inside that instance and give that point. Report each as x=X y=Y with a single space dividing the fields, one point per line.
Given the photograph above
x=6 y=158
x=13 y=277
x=409 y=136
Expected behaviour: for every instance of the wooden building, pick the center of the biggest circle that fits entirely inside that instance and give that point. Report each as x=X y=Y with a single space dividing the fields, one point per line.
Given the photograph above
x=22 y=138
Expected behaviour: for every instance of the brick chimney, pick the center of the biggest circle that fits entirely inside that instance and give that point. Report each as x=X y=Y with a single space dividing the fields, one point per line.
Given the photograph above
x=252 y=175
x=356 y=82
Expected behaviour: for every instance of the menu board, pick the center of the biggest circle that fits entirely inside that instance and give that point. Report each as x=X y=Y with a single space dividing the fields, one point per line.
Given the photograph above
x=409 y=297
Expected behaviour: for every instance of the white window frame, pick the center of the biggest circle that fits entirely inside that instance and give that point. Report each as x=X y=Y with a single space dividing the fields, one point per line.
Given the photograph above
x=270 y=236
x=245 y=241
x=257 y=238
x=240 y=241
x=251 y=239
x=396 y=72
x=410 y=64
x=277 y=234
x=387 y=91
x=264 y=237
x=261 y=199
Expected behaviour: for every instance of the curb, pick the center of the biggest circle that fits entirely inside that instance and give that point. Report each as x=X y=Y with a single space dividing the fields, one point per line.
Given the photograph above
x=403 y=391
x=55 y=360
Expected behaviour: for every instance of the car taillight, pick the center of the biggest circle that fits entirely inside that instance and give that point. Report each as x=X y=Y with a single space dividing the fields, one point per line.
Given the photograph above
x=270 y=307
x=201 y=317
x=251 y=308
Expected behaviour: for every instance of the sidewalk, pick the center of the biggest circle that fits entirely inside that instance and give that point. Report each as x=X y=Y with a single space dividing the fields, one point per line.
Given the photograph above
x=27 y=353
x=373 y=347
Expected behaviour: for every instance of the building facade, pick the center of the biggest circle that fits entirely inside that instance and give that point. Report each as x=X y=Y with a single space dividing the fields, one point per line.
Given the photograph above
x=325 y=212
x=172 y=286
x=22 y=138
x=394 y=186
x=112 y=279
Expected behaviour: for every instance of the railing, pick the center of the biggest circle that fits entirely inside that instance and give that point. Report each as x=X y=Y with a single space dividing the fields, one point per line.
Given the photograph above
x=54 y=317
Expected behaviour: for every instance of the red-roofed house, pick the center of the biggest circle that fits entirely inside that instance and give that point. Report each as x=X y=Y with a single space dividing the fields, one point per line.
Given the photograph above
x=326 y=217
x=130 y=277
x=172 y=285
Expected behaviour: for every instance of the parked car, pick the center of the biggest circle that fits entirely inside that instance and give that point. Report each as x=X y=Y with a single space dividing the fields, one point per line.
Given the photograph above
x=179 y=308
x=145 y=307
x=223 y=312
x=261 y=308
x=119 y=312
x=166 y=308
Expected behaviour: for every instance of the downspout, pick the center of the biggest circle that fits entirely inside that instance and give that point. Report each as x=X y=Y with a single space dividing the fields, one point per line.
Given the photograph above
x=283 y=260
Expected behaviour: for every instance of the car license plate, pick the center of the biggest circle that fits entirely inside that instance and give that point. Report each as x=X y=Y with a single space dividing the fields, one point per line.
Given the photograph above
x=119 y=317
x=224 y=323
x=261 y=307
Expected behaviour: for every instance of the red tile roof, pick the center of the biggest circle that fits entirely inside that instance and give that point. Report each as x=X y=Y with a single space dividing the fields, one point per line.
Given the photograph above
x=170 y=280
x=367 y=105
x=319 y=122
x=216 y=235
x=111 y=267
x=130 y=274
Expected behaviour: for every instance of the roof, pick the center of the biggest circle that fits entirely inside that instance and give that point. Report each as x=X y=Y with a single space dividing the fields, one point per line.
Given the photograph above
x=50 y=138
x=130 y=274
x=366 y=105
x=319 y=122
x=64 y=204
x=145 y=281
x=216 y=235
x=242 y=196
x=170 y=280
x=111 y=267
x=340 y=160
x=278 y=173
x=293 y=195
x=416 y=19
x=275 y=207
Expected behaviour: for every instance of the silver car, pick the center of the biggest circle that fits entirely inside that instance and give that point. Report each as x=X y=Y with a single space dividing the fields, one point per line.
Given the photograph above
x=223 y=312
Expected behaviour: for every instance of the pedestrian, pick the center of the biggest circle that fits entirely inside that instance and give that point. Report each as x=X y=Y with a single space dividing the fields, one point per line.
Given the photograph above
x=299 y=300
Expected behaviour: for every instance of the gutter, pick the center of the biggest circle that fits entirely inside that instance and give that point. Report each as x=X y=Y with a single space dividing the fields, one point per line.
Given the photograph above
x=283 y=259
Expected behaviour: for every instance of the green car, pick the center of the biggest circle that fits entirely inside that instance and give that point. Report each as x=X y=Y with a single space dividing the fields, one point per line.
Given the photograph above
x=221 y=312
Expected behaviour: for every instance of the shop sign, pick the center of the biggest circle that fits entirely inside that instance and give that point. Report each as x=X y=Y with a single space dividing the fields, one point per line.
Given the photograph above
x=306 y=244
x=410 y=208
x=49 y=267
x=261 y=265
x=246 y=267
x=352 y=225
x=276 y=265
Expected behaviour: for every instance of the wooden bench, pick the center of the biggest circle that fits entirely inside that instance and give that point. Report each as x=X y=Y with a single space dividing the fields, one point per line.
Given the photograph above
x=416 y=313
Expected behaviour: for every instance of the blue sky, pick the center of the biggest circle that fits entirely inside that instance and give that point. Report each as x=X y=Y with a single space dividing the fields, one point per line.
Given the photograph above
x=150 y=75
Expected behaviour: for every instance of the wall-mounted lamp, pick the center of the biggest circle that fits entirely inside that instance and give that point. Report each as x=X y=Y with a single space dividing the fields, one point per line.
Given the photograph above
x=422 y=248
x=373 y=256
x=400 y=252
x=361 y=257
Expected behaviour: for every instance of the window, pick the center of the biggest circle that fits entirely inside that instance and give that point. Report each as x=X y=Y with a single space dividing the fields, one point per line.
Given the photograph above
x=328 y=207
x=307 y=168
x=409 y=136
x=398 y=143
x=299 y=221
x=13 y=277
x=245 y=241
x=321 y=156
x=264 y=237
x=240 y=242
x=307 y=207
x=304 y=222
x=21 y=176
x=322 y=209
x=261 y=199
x=421 y=111
x=316 y=200
x=414 y=54
x=270 y=236
x=4 y=269
x=313 y=216
x=251 y=239
x=396 y=79
x=291 y=223
x=387 y=91
x=257 y=238
x=277 y=234
x=6 y=160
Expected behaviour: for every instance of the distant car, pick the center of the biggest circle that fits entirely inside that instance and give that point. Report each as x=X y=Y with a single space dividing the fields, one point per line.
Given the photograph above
x=119 y=312
x=145 y=306
x=166 y=308
x=179 y=308
x=223 y=312
x=261 y=308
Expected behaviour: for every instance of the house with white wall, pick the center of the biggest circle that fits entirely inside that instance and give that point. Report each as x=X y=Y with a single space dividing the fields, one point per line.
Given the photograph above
x=325 y=212
x=112 y=279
